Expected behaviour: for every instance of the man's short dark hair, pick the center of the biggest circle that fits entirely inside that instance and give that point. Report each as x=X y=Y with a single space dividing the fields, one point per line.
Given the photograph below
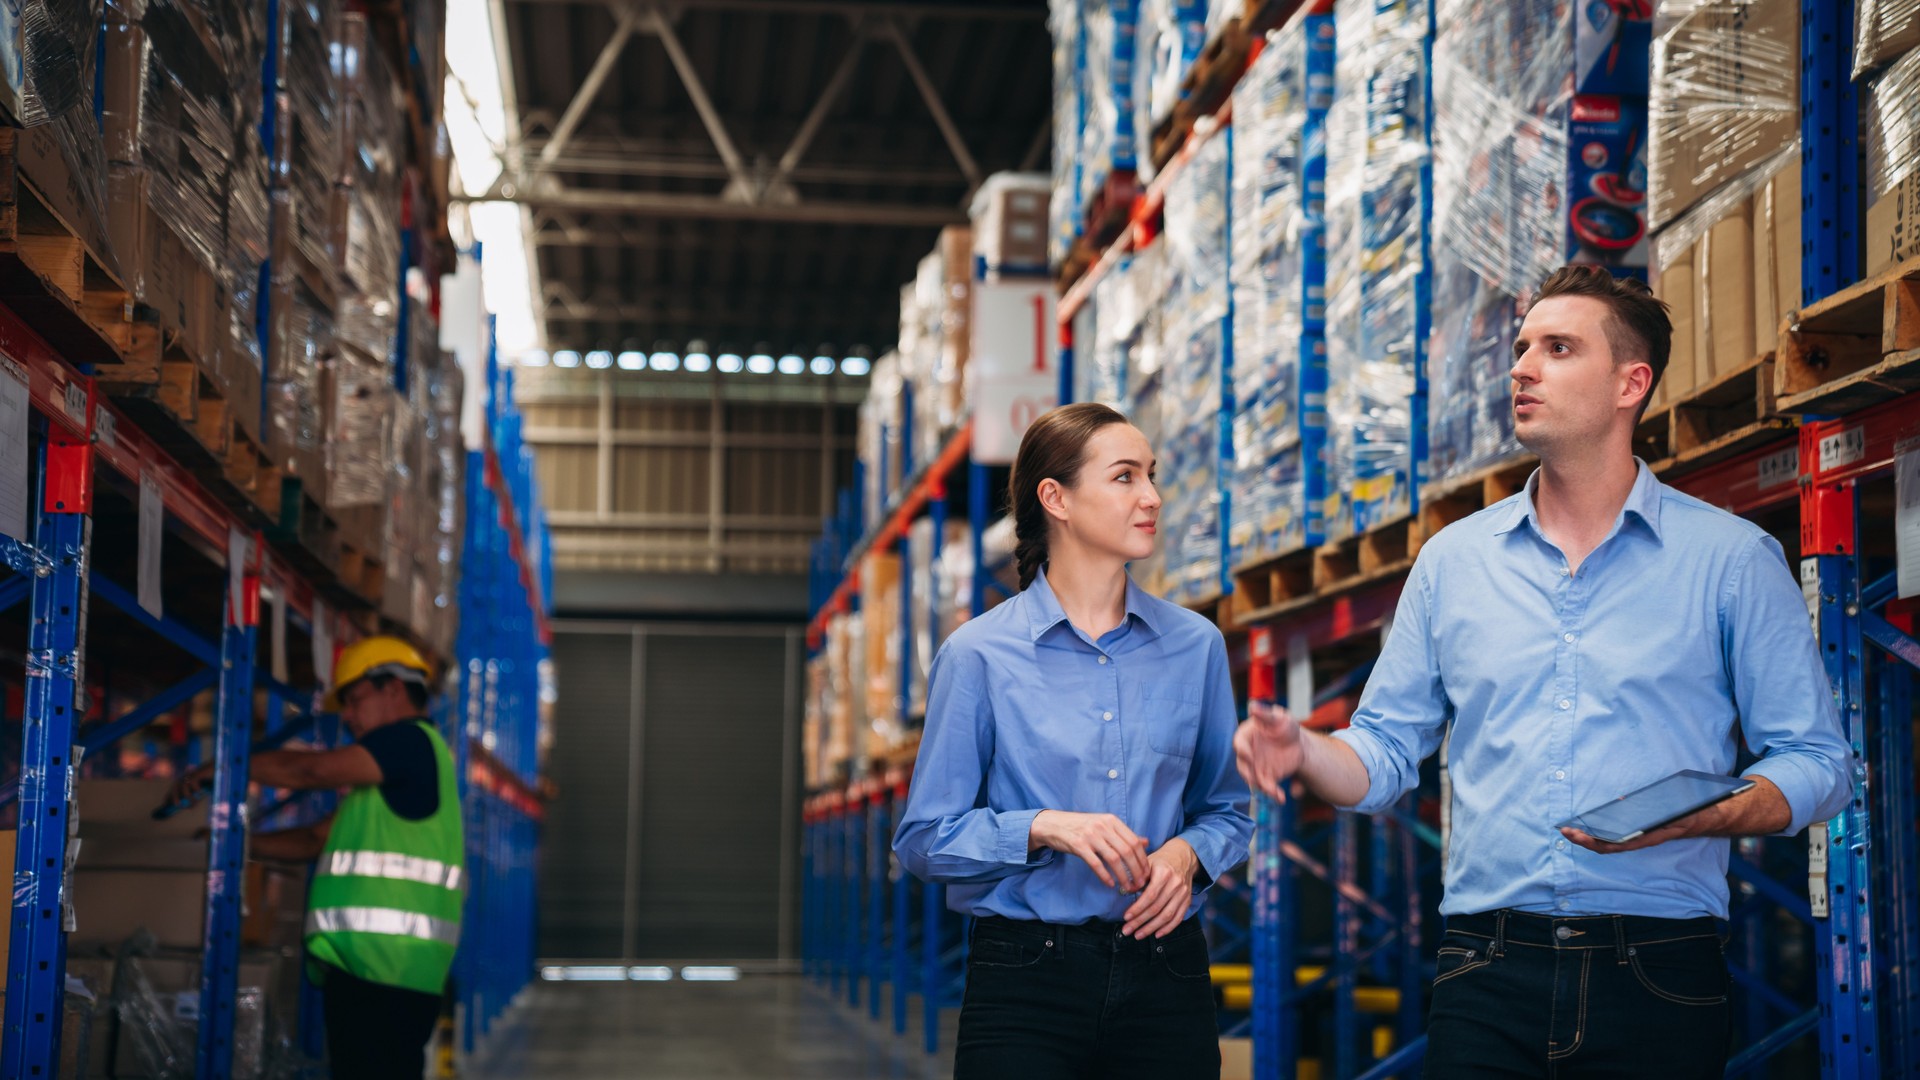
x=416 y=692
x=1637 y=325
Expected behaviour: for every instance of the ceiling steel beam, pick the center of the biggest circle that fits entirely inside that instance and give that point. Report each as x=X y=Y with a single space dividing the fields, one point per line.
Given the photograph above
x=667 y=204
x=841 y=8
x=816 y=116
x=606 y=162
x=931 y=95
x=702 y=104
x=589 y=89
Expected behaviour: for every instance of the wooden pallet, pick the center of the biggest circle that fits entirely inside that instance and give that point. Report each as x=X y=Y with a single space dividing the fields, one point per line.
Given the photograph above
x=189 y=416
x=1443 y=503
x=1841 y=353
x=1274 y=579
x=55 y=269
x=1728 y=416
x=1206 y=87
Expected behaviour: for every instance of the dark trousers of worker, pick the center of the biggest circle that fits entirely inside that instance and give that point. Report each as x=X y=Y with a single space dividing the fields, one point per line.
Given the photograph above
x=1521 y=995
x=375 y=1031
x=1049 y=1002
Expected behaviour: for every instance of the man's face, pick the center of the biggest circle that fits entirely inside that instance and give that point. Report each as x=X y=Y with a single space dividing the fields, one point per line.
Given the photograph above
x=1567 y=390
x=364 y=706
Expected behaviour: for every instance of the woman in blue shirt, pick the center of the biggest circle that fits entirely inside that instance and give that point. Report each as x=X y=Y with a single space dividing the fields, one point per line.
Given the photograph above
x=1075 y=788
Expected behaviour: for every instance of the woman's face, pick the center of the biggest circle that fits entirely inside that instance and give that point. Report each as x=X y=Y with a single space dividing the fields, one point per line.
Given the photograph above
x=1114 y=509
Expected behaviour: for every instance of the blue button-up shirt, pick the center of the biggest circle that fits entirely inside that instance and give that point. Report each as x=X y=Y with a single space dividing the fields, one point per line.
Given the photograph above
x=1683 y=631
x=1026 y=713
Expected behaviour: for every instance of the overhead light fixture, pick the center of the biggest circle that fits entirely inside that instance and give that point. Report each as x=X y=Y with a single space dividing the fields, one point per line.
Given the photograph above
x=730 y=363
x=566 y=358
x=698 y=361
x=760 y=364
x=823 y=365
x=710 y=974
x=599 y=359
x=650 y=974
x=534 y=358
x=792 y=365
x=632 y=361
x=855 y=365
x=664 y=361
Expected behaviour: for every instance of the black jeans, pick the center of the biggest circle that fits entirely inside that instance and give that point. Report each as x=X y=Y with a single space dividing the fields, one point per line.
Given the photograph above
x=1084 y=1003
x=375 y=1031
x=1519 y=995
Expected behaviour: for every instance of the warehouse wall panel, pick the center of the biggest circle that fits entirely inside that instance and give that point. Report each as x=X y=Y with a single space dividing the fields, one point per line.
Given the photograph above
x=583 y=868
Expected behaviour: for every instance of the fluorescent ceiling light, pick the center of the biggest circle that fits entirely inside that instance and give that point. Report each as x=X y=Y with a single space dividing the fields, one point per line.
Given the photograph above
x=710 y=974
x=664 y=361
x=650 y=974
x=566 y=358
x=534 y=358
x=698 y=361
x=823 y=365
x=856 y=365
x=599 y=359
x=632 y=361
x=730 y=363
x=760 y=364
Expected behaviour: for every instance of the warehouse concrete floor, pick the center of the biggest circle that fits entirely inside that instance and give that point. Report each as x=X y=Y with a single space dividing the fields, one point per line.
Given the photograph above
x=764 y=1027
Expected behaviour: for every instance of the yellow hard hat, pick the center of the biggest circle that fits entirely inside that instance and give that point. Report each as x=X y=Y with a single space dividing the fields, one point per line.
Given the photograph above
x=380 y=655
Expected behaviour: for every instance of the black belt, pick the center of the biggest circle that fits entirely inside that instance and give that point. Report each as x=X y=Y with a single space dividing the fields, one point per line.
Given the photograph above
x=1093 y=931
x=1508 y=927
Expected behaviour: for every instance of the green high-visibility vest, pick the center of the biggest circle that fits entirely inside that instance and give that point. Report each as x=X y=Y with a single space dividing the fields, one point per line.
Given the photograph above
x=386 y=897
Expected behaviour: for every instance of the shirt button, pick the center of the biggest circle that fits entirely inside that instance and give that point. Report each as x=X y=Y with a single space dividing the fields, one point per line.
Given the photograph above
x=1565 y=704
x=1565 y=904
x=1106 y=716
x=1560 y=774
x=1103 y=659
x=1559 y=845
x=1564 y=571
x=1567 y=638
x=1113 y=774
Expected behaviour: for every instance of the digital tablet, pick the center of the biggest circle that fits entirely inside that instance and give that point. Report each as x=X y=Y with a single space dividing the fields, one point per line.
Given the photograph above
x=1639 y=812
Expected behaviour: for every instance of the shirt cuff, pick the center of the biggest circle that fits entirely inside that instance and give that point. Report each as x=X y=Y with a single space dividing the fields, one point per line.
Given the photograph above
x=1213 y=861
x=1379 y=796
x=1016 y=832
x=1801 y=790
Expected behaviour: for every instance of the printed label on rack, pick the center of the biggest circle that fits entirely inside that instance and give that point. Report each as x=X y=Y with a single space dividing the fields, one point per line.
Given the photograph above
x=16 y=403
x=1780 y=468
x=103 y=430
x=1906 y=518
x=152 y=529
x=76 y=403
x=1843 y=448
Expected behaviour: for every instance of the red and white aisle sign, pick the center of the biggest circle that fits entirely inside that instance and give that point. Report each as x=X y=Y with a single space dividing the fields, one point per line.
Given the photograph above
x=1014 y=370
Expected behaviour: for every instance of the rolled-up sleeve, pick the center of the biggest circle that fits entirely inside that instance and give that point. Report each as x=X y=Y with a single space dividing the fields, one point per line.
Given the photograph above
x=1781 y=690
x=1217 y=826
x=948 y=833
x=1403 y=712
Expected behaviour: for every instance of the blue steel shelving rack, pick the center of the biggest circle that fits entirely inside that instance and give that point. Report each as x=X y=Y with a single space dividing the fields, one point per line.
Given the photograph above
x=79 y=434
x=865 y=922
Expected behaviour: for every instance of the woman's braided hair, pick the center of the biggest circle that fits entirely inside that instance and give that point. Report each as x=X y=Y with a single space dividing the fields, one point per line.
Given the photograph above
x=1053 y=448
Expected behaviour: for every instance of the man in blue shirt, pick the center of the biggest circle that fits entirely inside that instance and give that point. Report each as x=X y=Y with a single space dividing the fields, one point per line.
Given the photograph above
x=1578 y=641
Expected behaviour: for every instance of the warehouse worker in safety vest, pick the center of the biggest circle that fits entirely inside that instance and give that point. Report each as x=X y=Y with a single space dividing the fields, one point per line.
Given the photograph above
x=384 y=910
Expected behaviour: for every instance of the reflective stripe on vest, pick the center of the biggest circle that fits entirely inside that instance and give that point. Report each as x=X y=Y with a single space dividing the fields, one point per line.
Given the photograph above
x=391 y=865
x=378 y=920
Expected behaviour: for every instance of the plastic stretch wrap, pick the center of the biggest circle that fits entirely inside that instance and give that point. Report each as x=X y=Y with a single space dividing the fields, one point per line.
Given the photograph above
x=880 y=611
x=1065 y=23
x=156 y=997
x=1674 y=240
x=372 y=176
x=1885 y=30
x=360 y=422
x=170 y=109
x=1890 y=125
x=60 y=38
x=302 y=333
x=1193 y=377
x=1376 y=273
x=884 y=449
x=1110 y=136
x=938 y=594
x=1725 y=96
x=838 y=695
x=1279 y=279
x=249 y=211
x=1171 y=37
x=308 y=151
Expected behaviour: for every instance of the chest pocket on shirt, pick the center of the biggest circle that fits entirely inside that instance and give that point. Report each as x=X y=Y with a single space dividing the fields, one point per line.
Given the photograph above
x=1173 y=718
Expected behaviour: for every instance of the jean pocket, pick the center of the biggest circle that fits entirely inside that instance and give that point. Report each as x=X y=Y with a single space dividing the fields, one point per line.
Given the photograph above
x=1185 y=957
x=1453 y=960
x=1692 y=972
x=1005 y=953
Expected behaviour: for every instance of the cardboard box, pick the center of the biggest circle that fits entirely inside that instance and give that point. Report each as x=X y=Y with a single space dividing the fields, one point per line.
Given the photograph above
x=1010 y=223
x=158 y=267
x=1675 y=285
x=69 y=186
x=1725 y=98
x=1776 y=256
x=1893 y=226
x=134 y=872
x=1728 y=292
x=1607 y=220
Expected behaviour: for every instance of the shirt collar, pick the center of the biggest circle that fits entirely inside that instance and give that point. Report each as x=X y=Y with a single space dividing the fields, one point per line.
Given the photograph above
x=1044 y=611
x=1642 y=502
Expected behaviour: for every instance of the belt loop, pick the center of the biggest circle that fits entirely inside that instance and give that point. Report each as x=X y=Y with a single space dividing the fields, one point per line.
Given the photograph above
x=1499 y=949
x=1619 y=940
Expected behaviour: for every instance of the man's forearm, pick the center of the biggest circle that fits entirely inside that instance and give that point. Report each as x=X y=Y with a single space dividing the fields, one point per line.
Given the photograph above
x=282 y=768
x=1761 y=810
x=1331 y=769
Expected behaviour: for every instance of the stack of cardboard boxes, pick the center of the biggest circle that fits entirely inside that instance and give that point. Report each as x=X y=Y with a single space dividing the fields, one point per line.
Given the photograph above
x=1724 y=200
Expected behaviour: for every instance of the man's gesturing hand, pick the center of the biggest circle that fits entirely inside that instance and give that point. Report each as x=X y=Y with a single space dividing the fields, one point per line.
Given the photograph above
x=1268 y=749
x=1163 y=903
x=1118 y=857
